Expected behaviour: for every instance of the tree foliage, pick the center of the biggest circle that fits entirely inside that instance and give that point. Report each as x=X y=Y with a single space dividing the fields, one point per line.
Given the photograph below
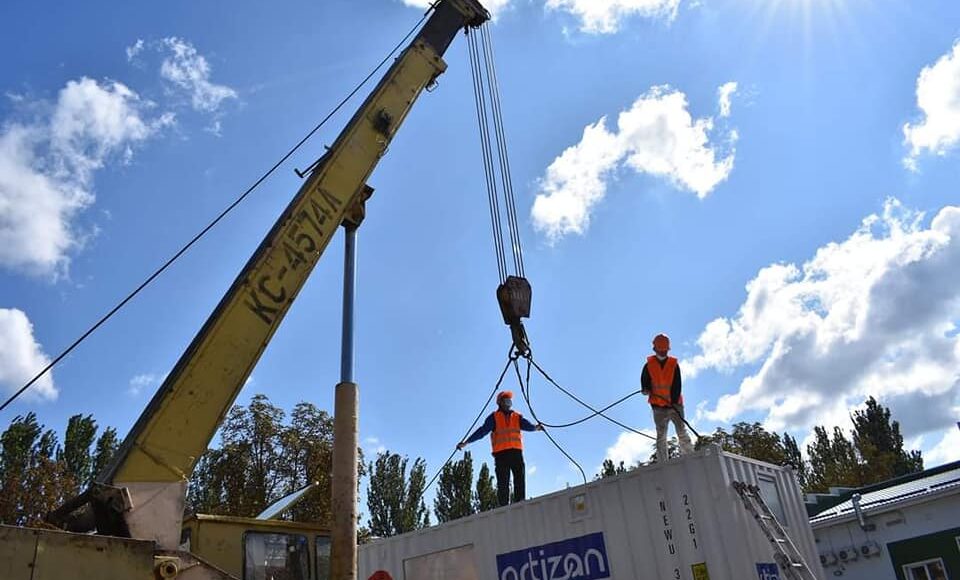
x=795 y=459
x=454 y=497
x=394 y=497
x=262 y=457
x=37 y=474
x=752 y=440
x=880 y=445
x=609 y=469
x=486 y=496
x=76 y=453
x=833 y=461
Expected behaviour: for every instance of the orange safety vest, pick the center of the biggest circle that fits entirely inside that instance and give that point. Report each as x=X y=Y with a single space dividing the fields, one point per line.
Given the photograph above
x=506 y=432
x=662 y=381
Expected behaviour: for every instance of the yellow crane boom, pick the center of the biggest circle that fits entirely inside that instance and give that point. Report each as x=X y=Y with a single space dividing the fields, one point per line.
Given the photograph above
x=153 y=464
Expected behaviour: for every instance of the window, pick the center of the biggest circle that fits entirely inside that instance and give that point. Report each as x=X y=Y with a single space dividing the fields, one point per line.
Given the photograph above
x=275 y=557
x=771 y=495
x=928 y=570
x=323 y=558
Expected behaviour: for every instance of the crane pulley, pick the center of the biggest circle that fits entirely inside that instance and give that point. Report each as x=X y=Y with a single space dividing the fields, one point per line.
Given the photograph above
x=514 y=293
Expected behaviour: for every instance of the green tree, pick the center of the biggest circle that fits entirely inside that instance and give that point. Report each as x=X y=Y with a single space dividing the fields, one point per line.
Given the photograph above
x=879 y=443
x=394 y=499
x=750 y=440
x=34 y=479
x=455 y=490
x=76 y=453
x=609 y=468
x=308 y=458
x=16 y=450
x=673 y=450
x=104 y=450
x=246 y=473
x=833 y=462
x=486 y=496
x=262 y=459
x=795 y=459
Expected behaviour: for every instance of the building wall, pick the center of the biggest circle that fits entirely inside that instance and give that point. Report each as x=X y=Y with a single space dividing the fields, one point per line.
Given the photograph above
x=938 y=515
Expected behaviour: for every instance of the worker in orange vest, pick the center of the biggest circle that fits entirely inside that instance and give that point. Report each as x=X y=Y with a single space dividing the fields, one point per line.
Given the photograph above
x=504 y=426
x=660 y=381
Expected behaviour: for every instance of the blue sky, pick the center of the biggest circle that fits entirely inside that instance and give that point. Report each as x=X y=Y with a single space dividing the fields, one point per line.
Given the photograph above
x=768 y=181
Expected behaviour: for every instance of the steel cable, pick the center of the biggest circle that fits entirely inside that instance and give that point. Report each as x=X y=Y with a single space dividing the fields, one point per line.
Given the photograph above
x=505 y=174
x=487 y=153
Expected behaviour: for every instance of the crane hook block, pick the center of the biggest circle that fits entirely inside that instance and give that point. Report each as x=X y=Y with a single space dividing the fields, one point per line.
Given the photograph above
x=514 y=297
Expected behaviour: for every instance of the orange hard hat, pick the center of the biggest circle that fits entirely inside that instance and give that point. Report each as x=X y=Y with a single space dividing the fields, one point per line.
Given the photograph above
x=661 y=342
x=504 y=394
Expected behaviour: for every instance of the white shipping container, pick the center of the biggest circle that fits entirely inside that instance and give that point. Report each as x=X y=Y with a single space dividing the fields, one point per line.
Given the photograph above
x=681 y=520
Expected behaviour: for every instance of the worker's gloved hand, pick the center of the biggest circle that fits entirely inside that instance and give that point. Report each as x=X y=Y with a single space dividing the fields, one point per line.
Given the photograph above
x=539 y=427
x=461 y=445
x=645 y=392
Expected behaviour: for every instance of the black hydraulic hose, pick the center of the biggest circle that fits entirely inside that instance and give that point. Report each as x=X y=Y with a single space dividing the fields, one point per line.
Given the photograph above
x=472 y=425
x=587 y=405
x=526 y=396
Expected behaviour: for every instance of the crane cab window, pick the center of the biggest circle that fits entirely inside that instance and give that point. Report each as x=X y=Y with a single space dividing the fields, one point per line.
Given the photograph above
x=275 y=557
x=323 y=558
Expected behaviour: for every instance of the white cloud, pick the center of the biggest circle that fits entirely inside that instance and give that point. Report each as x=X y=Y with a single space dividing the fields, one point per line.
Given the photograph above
x=21 y=357
x=871 y=315
x=135 y=49
x=947 y=450
x=147 y=381
x=724 y=95
x=606 y=16
x=657 y=135
x=938 y=97
x=594 y=16
x=190 y=71
x=531 y=470
x=373 y=446
x=47 y=169
x=630 y=448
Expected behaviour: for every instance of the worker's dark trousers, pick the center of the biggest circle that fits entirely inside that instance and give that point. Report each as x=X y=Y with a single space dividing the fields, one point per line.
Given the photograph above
x=506 y=462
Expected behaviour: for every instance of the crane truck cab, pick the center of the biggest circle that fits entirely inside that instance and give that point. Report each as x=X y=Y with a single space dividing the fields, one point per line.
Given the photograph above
x=256 y=549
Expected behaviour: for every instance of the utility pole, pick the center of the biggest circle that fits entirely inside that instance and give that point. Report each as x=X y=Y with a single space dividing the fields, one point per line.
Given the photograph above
x=343 y=545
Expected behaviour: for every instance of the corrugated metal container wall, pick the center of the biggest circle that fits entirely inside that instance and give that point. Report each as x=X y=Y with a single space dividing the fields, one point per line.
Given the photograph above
x=677 y=521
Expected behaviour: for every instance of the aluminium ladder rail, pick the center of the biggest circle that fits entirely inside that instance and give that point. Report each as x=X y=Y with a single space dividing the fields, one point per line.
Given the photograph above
x=787 y=555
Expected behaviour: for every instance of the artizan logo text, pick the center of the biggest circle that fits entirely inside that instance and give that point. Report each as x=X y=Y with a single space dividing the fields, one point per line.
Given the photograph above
x=583 y=558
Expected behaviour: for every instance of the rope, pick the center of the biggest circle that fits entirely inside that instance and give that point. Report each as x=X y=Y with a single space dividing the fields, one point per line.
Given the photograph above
x=510 y=359
x=216 y=220
x=587 y=405
x=526 y=396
